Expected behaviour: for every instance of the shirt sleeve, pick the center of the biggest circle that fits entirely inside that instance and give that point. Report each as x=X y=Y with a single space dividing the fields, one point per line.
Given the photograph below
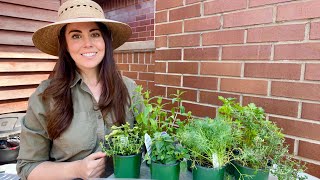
x=34 y=140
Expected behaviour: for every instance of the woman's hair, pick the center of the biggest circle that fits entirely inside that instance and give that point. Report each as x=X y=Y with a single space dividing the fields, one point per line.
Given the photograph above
x=114 y=95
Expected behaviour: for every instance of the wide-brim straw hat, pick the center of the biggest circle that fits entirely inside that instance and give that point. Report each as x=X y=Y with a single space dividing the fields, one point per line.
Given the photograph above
x=73 y=11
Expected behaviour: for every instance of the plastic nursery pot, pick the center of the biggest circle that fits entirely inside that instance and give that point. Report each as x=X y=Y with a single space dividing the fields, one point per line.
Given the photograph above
x=249 y=173
x=165 y=171
x=189 y=163
x=127 y=166
x=204 y=173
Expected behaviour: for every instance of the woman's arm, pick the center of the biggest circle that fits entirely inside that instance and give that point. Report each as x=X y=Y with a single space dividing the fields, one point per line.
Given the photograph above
x=90 y=167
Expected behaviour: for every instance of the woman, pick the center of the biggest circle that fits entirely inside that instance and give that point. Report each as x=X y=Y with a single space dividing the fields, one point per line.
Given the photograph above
x=69 y=114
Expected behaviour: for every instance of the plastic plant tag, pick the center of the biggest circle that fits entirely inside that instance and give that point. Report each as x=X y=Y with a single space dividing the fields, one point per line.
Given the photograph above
x=215 y=162
x=147 y=142
x=124 y=140
x=163 y=133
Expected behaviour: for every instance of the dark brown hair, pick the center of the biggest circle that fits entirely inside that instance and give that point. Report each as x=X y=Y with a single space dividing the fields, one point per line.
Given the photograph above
x=114 y=95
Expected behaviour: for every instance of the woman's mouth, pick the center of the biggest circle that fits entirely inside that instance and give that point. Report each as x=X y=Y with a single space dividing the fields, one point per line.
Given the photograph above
x=89 y=54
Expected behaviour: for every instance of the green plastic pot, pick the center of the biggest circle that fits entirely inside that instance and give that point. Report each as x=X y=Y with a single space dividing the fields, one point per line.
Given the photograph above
x=249 y=173
x=204 y=173
x=127 y=166
x=165 y=171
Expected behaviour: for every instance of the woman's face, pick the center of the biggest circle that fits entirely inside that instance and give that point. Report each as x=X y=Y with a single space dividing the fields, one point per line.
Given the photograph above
x=85 y=45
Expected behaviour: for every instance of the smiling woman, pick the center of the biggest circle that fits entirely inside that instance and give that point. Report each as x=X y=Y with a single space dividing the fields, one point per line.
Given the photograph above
x=70 y=113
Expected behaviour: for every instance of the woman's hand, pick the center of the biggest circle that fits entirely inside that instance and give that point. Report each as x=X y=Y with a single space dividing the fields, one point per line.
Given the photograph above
x=92 y=166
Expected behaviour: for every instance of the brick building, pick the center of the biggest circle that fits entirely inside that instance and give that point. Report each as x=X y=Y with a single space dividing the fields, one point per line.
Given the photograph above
x=261 y=51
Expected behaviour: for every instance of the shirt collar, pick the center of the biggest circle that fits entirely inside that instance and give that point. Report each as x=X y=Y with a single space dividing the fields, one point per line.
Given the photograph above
x=76 y=79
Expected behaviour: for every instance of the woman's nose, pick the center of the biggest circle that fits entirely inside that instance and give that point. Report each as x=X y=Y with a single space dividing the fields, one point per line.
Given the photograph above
x=87 y=42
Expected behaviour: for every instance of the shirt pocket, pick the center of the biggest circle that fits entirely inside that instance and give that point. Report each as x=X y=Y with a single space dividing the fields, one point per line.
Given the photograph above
x=79 y=136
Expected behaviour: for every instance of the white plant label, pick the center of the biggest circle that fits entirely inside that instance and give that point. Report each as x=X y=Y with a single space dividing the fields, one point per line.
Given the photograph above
x=147 y=142
x=215 y=162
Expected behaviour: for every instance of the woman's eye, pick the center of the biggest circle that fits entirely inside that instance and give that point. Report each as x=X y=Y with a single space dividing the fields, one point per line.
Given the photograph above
x=76 y=36
x=95 y=35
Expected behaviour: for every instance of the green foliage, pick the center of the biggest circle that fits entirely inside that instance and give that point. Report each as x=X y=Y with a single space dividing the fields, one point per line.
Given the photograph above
x=123 y=140
x=207 y=139
x=165 y=150
x=155 y=117
x=262 y=143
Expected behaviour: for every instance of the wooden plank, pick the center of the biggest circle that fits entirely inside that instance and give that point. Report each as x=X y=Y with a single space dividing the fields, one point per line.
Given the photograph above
x=43 y=4
x=16 y=38
x=20 y=49
x=16 y=93
x=26 y=66
x=10 y=107
x=13 y=10
x=26 y=55
x=16 y=80
x=17 y=24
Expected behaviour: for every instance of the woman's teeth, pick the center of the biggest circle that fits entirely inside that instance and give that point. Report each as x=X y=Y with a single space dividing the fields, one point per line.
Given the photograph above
x=88 y=54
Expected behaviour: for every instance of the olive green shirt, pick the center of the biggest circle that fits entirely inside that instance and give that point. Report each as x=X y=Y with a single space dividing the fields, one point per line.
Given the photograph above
x=82 y=137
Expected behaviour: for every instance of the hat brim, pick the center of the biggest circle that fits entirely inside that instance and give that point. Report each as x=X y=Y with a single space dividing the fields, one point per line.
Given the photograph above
x=46 y=38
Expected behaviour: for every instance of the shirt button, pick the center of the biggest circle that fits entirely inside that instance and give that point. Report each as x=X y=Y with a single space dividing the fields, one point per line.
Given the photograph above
x=96 y=107
x=100 y=116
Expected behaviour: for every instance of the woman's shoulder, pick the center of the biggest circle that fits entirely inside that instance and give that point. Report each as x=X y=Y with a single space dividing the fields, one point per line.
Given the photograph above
x=130 y=83
x=42 y=86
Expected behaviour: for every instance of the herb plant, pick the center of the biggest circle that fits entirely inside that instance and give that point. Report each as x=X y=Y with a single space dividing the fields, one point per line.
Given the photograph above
x=262 y=142
x=123 y=140
x=165 y=150
x=209 y=141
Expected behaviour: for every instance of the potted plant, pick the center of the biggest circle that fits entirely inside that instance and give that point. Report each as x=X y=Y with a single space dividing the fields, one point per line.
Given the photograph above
x=165 y=156
x=209 y=142
x=261 y=146
x=125 y=145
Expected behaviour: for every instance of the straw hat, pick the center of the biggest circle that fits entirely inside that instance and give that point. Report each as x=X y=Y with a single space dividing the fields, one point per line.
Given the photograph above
x=46 y=38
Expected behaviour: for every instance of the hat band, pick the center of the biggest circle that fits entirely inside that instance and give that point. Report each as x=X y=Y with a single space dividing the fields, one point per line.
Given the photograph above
x=80 y=11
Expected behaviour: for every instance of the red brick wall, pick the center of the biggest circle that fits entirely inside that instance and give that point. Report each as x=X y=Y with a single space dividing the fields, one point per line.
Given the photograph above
x=261 y=51
x=139 y=14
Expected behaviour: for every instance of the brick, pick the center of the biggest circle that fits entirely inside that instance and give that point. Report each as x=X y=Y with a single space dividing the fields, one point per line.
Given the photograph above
x=211 y=53
x=223 y=37
x=253 y=52
x=313 y=169
x=290 y=143
x=296 y=90
x=170 y=54
x=298 y=128
x=184 y=40
x=141 y=28
x=135 y=57
x=183 y=67
x=312 y=72
x=161 y=41
x=305 y=51
x=167 y=4
x=221 y=69
x=309 y=111
x=254 y=3
x=160 y=67
x=200 y=110
x=248 y=17
x=165 y=79
x=144 y=34
x=184 y=12
x=152 y=58
x=156 y=90
x=129 y=56
x=189 y=95
x=212 y=97
x=141 y=17
x=145 y=22
x=141 y=58
x=123 y=67
x=169 y=28
x=161 y=16
x=219 y=6
x=198 y=82
x=202 y=24
x=293 y=32
x=244 y=86
x=315 y=30
x=147 y=58
x=144 y=84
x=273 y=70
x=138 y=67
x=150 y=27
x=151 y=68
x=192 y=1
x=300 y=10
x=274 y=106
x=146 y=76
x=309 y=150
x=132 y=75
